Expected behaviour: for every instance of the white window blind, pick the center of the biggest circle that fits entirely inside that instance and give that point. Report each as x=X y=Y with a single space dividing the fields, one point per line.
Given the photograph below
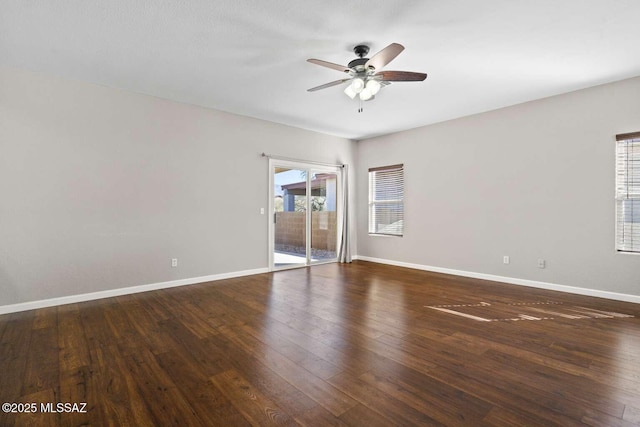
x=386 y=200
x=628 y=192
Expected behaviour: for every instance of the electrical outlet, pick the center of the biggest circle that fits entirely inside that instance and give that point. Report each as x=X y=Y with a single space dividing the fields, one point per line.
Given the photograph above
x=542 y=263
x=261 y=211
x=174 y=262
x=505 y=259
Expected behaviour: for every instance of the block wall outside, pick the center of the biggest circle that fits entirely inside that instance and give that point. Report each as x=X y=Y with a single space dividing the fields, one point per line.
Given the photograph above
x=290 y=230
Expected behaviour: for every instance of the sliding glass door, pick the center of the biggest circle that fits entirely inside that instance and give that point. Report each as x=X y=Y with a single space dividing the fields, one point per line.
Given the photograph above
x=290 y=217
x=324 y=220
x=305 y=214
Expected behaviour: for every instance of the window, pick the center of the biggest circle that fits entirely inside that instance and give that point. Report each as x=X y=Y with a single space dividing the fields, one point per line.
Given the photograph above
x=628 y=192
x=386 y=200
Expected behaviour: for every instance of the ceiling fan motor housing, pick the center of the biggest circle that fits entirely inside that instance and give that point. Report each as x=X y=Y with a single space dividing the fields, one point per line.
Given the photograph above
x=358 y=64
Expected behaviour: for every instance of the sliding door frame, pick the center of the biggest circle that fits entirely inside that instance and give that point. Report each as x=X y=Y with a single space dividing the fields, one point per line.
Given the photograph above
x=310 y=168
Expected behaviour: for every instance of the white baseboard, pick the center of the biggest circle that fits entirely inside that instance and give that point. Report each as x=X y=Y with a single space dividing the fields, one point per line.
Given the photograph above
x=32 y=305
x=510 y=280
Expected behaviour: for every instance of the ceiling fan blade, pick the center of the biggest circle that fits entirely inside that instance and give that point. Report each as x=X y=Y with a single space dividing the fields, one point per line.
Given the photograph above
x=385 y=56
x=401 y=76
x=331 y=65
x=326 y=85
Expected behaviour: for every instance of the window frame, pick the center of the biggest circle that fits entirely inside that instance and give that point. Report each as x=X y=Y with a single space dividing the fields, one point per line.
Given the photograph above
x=373 y=202
x=622 y=192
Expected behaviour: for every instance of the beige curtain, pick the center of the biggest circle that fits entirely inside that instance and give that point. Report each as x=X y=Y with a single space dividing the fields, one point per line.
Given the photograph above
x=345 y=242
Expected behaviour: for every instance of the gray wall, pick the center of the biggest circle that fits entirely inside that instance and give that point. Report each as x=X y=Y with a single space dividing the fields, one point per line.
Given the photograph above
x=100 y=188
x=530 y=181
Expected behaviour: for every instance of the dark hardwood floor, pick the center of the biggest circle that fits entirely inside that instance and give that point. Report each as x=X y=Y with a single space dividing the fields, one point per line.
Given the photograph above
x=350 y=345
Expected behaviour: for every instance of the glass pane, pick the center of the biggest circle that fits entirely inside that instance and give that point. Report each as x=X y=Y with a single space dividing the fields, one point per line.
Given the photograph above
x=388 y=218
x=631 y=211
x=290 y=217
x=324 y=220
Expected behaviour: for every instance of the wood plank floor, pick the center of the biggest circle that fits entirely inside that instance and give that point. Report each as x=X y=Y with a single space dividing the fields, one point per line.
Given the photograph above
x=347 y=345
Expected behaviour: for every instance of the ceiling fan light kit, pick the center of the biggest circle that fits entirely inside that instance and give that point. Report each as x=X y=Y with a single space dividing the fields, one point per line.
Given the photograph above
x=373 y=86
x=357 y=85
x=350 y=92
x=365 y=79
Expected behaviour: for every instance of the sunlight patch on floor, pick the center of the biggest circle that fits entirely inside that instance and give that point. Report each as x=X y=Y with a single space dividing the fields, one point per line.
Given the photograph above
x=512 y=312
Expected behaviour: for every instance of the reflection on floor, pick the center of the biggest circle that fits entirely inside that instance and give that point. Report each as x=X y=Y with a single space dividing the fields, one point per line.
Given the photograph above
x=281 y=259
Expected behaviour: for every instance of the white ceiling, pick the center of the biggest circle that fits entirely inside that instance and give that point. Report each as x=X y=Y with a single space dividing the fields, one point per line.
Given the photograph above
x=249 y=57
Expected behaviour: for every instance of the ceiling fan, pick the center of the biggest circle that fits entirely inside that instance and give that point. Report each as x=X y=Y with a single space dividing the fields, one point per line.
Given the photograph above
x=365 y=75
